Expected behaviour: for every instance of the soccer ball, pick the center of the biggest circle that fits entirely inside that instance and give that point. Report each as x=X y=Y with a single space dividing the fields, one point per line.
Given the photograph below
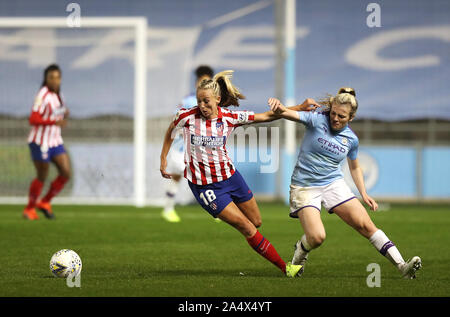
x=65 y=263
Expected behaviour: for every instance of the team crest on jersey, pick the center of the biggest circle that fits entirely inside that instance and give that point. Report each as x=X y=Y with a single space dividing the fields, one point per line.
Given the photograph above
x=344 y=141
x=219 y=125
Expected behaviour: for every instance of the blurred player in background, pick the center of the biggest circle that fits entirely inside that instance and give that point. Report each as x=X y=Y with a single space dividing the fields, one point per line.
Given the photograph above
x=47 y=118
x=175 y=158
x=216 y=184
x=317 y=179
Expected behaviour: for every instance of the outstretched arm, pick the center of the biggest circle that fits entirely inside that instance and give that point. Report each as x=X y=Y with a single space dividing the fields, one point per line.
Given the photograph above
x=358 y=178
x=165 y=150
x=265 y=117
x=291 y=113
x=278 y=110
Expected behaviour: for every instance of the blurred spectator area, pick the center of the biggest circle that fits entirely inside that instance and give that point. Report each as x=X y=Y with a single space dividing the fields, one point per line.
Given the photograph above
x=114 y=128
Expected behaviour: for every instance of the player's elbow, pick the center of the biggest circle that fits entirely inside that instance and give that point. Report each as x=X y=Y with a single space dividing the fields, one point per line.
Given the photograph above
x=34 y=119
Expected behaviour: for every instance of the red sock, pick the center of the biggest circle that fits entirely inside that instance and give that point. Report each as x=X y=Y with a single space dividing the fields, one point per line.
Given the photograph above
x=266 y=249
x=55 y=188
x=34 y=192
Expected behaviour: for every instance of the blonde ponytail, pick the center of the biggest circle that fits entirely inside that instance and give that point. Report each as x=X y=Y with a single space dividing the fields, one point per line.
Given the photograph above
x=345 y=95
x=222 y=86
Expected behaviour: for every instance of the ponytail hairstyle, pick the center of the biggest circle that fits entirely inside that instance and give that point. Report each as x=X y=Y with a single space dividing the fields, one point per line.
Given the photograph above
x=345 y=95
x=222 y=86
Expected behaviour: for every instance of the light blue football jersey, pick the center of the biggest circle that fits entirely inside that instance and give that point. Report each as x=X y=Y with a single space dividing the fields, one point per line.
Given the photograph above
x=322 y=151
x=188 y=102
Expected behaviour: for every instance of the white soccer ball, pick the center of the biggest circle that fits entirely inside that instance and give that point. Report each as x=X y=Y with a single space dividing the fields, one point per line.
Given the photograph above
x=65 y=263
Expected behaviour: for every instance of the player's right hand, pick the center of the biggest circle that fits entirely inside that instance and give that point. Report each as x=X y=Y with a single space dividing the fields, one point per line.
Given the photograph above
x=162 y=169
x=276 y=106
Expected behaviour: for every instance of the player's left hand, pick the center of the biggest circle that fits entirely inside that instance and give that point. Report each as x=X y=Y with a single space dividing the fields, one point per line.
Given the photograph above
x=371 y=203
x=308 y=105
x=62 y=123
x=66 y=113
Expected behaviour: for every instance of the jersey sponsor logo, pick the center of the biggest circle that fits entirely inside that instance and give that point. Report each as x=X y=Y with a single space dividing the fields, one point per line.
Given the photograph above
x=208 y=141
x=60 y=111
x=331 y=146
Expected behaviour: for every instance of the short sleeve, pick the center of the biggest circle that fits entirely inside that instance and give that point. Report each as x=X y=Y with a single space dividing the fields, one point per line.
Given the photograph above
x=39 y=103
x=181 y=116
x=353 y=152
x=308 y=118
x=242 y=117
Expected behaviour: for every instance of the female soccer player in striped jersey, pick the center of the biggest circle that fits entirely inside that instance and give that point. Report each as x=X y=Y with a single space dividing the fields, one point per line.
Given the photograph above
x=47 y=118
x=175 y=158
x=317 y=179
x=212 y=177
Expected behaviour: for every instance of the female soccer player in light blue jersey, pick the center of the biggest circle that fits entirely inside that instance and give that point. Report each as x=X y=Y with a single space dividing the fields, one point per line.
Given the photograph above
x=318 y=180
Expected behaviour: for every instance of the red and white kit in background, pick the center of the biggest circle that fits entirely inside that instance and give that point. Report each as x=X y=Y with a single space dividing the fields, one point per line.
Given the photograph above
x=206 y=156
x=47 y=109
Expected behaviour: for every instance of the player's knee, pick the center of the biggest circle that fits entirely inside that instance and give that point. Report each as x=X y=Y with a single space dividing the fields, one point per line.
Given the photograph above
x=257 y=222
x=317 y=239
x=42 y=175
x=66 y=173
x=367 y=229
x=42 y=178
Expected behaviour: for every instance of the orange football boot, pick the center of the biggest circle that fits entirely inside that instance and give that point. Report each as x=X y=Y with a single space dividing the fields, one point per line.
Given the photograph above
x=30 y=214
x=46 y=208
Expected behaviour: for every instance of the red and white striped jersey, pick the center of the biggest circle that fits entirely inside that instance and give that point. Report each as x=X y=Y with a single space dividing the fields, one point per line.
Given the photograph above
x=205 y=154
x=47 y=109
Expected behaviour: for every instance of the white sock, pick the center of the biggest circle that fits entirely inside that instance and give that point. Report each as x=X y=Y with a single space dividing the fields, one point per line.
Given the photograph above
x=305 y=245
x=386 y=247
x=304 y=248
x=171 y=192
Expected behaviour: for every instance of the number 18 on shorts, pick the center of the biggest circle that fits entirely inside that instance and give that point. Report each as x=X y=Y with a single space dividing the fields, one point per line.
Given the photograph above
x=216 y=196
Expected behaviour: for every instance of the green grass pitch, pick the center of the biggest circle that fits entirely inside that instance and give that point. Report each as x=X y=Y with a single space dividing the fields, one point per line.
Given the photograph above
x=128 y=251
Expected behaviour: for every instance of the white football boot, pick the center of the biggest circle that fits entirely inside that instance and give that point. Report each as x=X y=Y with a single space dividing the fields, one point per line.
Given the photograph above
x=410 y=267
x=299 y=257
